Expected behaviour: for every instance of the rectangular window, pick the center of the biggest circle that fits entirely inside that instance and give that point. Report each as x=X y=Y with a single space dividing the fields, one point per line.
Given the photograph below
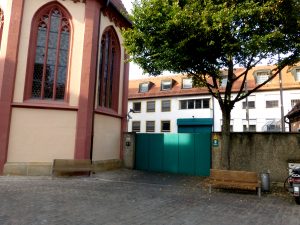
x=272 y=104
x=205 y=104
x=194 y=104
x=151 y=106
x=190 y=104
x=144 y=87
x=183 y=104
x=251 y=105
x=165 y=126
x=166 y=105
x=187 y=83
x=262 y=76
x=150 y=126
x=166 y=85
x=136 y=126
x=294 y=102
x=137 y=107
x=297 y=77
x=252 y=128
x=224 y=81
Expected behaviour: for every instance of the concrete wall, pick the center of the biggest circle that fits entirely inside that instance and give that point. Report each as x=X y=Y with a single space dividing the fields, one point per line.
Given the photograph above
x=41 y=135
x=107 y=140
x=260 y=152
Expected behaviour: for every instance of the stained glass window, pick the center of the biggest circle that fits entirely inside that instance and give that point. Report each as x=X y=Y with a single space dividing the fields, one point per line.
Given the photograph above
x=109 y=70
x=51 y=55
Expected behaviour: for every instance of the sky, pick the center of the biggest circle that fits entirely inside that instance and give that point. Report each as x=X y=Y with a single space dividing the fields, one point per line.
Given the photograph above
x=135 y=72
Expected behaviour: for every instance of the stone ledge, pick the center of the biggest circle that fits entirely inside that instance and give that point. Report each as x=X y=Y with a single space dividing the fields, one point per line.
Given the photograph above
x=28 y=169
x=103 y=165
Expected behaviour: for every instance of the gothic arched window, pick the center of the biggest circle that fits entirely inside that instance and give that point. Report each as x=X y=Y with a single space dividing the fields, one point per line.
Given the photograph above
x=109 y=70
x=49 y=54
x=1 y=24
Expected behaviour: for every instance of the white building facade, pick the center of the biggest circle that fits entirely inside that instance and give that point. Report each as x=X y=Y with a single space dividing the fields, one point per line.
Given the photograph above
x=158 y=109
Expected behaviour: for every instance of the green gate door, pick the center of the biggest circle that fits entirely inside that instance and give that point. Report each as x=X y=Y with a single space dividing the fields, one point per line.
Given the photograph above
x=175 y=153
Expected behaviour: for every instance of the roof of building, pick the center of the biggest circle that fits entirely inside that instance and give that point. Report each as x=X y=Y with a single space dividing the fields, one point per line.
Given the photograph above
x=119 y=5
x=295 y=112
x=288 y=82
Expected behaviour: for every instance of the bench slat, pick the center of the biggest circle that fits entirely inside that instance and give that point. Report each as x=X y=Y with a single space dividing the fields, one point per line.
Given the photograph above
x=232 y=179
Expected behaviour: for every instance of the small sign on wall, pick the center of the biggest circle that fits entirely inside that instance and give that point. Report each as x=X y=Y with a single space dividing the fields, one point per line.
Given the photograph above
x=215 y=142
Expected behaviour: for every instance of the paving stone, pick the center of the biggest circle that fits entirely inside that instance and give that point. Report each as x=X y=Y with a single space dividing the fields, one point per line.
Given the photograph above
x=134 y=197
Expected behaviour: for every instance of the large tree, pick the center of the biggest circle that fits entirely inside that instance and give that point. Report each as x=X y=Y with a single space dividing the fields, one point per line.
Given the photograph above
x=203 y=37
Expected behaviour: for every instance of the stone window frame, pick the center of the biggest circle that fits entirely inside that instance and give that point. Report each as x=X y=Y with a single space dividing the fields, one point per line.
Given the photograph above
x=164 y=108
x=135 y=124
x=134 y=107
x=108 y=87
x=36 y=22
x=150 y=126
x=150 y=109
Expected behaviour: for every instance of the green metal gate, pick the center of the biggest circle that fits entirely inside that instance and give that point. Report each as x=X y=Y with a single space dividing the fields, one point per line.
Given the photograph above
x=175 y=153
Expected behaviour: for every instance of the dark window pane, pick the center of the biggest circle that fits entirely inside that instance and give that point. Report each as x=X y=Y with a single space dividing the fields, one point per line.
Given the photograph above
x=198 y=103
x=190 y=104
x=49 y=79
x=183 y=104
x=205 y=103
x=137 y=107
x=165 y=126
x=37 y=80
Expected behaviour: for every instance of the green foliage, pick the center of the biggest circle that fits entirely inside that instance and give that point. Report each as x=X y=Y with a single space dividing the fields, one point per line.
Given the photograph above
x=203 y=36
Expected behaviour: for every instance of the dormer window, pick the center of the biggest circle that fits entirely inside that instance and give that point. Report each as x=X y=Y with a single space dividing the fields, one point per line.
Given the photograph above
x=296 y=73
x=187 y=83
x=261 y=76
x=166 y=85
x=144 y=87
x=224 y=81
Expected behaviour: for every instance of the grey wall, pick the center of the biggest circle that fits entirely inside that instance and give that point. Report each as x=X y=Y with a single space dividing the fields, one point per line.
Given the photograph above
x=260 y=152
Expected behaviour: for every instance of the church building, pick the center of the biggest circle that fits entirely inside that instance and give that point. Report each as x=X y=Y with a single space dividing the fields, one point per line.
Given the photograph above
x=63 y=83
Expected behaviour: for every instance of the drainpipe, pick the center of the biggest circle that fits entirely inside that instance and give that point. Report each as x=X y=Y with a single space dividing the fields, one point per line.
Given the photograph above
x=281 y=99
x=213 y=113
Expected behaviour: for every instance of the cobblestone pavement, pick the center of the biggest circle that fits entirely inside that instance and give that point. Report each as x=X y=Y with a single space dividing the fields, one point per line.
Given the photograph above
x=133 y=197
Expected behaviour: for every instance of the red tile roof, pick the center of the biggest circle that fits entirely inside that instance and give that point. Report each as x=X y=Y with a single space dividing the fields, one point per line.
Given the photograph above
x=288 y=82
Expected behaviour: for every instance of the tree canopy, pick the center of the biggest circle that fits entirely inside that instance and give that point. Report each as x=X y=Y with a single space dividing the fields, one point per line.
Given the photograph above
x=202 y=37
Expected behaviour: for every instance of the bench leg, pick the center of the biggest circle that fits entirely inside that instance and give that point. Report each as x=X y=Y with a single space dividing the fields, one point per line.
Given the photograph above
x=259 y=192
x=209 y=188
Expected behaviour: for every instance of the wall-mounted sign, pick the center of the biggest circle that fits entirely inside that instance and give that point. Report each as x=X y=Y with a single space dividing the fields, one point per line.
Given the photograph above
x=215 y=142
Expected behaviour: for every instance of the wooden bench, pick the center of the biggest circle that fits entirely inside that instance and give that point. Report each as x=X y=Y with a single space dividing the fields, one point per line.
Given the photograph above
x=231 y=179
x=72 y=166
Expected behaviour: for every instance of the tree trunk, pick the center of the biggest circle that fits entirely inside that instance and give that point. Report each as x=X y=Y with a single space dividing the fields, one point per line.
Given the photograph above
x=226 y=147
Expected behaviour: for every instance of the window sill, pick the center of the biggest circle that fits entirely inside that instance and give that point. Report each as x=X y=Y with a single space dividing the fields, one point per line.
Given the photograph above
x=108 y=112
x=39 y=104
